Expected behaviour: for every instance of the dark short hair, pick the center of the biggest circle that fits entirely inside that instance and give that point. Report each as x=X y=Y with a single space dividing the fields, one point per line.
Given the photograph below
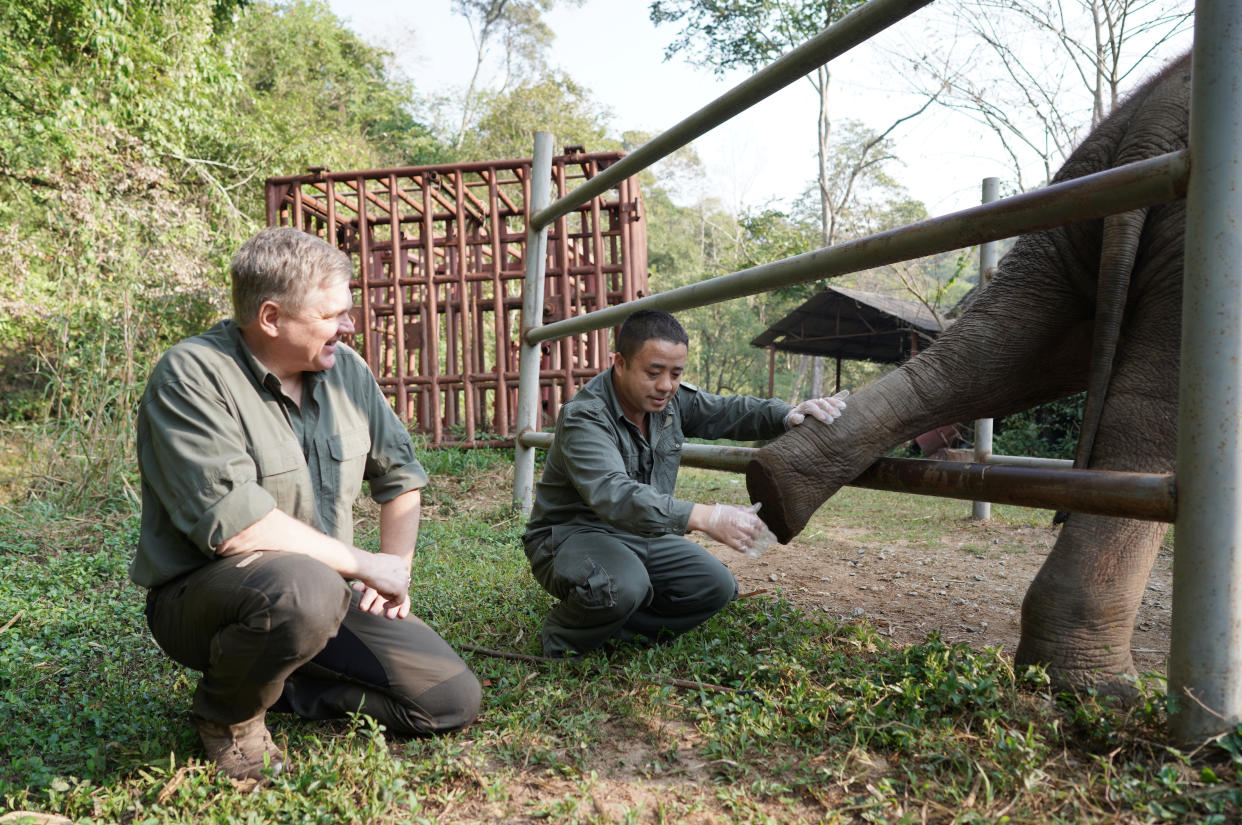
x=645 y=324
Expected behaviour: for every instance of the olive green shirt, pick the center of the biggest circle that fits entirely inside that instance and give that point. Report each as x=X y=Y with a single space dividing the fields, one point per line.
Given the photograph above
x=220 y=446
x=602 y=472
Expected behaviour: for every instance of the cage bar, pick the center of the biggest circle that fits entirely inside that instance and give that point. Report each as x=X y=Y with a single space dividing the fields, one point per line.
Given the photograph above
x=439 y=258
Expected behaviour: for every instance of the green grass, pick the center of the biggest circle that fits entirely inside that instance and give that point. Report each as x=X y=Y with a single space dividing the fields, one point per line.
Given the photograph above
x=818 y=722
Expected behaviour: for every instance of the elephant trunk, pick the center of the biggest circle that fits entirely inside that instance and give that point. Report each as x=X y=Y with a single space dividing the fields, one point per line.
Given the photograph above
x=1017 y=345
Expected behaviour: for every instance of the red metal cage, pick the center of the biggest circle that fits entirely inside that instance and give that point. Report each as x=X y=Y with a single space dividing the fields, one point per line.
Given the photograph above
x=439 y=257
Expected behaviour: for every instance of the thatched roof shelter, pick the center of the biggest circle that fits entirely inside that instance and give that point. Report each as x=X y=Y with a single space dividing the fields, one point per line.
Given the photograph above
x=851 y=324
x=855 y=325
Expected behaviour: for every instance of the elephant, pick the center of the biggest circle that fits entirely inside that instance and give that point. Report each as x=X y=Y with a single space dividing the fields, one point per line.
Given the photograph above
x=1093 y=305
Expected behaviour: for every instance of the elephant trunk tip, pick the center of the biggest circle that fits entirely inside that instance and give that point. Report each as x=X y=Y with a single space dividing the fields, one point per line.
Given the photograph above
x=763 y=488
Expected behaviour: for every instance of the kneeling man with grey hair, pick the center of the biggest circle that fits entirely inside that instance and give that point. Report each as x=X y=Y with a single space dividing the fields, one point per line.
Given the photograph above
x=254 y=439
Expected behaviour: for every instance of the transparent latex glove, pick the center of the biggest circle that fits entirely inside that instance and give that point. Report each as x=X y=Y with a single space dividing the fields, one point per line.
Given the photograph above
x=825 y=409
x=740 y=528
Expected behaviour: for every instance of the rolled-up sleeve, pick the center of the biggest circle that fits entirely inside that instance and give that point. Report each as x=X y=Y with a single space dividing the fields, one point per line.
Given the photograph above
x=597 y=471
x=392 y=468
x=194 y=460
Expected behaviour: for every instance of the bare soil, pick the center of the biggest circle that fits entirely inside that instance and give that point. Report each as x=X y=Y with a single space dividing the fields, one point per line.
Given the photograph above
x=969 y=585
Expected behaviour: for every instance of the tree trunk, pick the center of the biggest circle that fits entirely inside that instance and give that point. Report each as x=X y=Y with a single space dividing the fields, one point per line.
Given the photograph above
x=828 y=216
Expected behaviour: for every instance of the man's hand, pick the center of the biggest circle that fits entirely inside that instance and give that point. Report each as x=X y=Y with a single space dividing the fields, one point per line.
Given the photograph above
x=738 y=527
x=824 y=409
x=375 y=604
x=388 y=577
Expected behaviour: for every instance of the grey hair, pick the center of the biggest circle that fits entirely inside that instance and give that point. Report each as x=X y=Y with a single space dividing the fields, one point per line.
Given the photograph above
x=284 y=265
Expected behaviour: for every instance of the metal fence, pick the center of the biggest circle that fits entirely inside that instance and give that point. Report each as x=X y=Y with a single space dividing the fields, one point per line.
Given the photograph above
x=1206 y=656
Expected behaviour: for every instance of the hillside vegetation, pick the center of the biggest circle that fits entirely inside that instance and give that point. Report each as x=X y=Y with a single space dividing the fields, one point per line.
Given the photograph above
x=134 y=141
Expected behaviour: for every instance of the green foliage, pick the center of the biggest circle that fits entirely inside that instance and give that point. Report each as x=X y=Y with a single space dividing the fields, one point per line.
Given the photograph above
x=726 y=34
x=507 y=121
x=520 y=24
x=133 y=141
x=332 y=101
x=1050 y=430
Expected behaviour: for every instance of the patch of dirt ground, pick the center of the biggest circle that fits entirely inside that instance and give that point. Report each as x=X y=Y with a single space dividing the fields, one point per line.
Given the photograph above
x=969 y=595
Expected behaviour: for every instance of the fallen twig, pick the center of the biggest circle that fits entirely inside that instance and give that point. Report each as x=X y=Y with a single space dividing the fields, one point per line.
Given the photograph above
x=12 y=621
x=683 y=684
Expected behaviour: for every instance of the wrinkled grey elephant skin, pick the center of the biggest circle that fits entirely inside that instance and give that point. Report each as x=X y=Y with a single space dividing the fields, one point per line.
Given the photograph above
x=1025 y=340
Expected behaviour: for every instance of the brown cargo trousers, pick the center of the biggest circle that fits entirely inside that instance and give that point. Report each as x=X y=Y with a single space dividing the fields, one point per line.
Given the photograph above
x=283 y=631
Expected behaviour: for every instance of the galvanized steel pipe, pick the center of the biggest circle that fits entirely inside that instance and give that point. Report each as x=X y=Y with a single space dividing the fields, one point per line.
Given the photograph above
x=532 y=316
x=851 y=30
x=988 y=253
x=1205 y=658
x=1157 y=180
x=1026 y=461
x=1148 y=496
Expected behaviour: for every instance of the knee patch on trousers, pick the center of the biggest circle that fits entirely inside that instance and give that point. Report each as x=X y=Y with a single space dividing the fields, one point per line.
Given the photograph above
x=450 y=705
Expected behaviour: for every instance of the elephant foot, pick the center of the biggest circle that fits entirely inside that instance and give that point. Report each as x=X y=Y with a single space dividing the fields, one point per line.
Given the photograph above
x=785 y=513
x=1118 y=681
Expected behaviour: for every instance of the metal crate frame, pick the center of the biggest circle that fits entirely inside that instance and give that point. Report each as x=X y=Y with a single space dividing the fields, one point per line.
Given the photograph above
x=447 y=354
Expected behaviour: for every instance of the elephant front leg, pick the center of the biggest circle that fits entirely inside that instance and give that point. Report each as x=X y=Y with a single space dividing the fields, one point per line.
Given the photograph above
x=1078 y=615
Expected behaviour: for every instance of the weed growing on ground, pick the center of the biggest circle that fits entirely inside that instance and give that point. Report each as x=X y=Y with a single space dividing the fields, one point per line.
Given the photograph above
x=795 y=718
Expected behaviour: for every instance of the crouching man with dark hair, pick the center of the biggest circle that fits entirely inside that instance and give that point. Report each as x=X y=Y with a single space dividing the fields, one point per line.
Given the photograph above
x=254 y=439
x=606 y=535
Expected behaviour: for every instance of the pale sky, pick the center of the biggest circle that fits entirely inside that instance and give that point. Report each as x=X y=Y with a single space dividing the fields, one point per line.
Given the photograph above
x=765 y=154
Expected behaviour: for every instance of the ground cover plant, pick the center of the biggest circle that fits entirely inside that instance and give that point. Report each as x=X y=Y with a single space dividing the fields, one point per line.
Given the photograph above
x=772 y=712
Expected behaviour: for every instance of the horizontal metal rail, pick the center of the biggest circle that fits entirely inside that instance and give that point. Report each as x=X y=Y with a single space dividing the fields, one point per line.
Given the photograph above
x=851 y=30
x=1148 y=496
x=1156 y=180
x=1026 y=461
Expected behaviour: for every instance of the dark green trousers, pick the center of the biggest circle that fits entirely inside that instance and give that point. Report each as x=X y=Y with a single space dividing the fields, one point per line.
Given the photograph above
x=283 y=631
x=617 y=585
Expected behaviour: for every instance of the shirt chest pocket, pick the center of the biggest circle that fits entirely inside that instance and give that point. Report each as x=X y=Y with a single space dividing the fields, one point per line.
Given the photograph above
x=280 y=469
x=667 y=462
x=348 y=451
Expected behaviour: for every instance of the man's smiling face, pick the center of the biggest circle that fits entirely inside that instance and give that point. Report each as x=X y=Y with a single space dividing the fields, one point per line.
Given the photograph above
x=308 y=338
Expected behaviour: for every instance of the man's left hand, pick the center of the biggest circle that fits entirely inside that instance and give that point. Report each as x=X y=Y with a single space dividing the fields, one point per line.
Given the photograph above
x=825 y=409
x=375 y=604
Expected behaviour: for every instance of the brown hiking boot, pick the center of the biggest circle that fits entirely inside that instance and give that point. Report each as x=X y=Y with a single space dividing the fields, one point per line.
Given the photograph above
x=239 y=749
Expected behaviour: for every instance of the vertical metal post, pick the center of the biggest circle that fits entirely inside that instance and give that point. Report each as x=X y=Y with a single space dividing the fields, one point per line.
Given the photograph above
x=1205 y=659
x=399 y=363
x=982 y=510
x=532 y=316
x=431 y=330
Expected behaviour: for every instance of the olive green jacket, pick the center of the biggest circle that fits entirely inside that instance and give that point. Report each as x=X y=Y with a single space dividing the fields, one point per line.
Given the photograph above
x=220 y=446
x=602 y=472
